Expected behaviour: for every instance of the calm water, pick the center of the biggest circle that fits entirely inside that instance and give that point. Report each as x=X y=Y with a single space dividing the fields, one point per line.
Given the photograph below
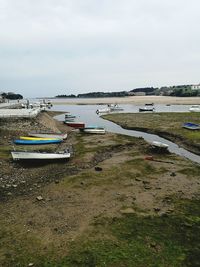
x=87 y=114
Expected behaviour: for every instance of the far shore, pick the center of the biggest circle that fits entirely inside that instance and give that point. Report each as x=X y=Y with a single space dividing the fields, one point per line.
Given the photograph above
x=129 y=100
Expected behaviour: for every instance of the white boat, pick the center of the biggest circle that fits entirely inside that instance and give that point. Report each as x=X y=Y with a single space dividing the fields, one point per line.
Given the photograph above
x=194 y=108
x=159 y=144
x=23 y=155
x=48 y=135
x=115 y=107
x=103 y=110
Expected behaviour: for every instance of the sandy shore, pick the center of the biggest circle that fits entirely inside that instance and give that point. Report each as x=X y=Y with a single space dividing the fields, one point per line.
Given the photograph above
x=130 y=100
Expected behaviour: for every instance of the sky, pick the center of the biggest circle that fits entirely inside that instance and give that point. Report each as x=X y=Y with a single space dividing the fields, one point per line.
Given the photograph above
x=51 y=47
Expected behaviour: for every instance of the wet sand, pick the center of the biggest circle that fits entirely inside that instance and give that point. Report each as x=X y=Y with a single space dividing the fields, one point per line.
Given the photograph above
x=130 y=100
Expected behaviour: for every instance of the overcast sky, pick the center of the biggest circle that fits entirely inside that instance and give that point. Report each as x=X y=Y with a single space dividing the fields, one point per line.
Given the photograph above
x=50 y=47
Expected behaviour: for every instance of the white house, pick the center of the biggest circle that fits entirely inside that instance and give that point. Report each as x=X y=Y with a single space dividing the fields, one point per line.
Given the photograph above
x=195 y=87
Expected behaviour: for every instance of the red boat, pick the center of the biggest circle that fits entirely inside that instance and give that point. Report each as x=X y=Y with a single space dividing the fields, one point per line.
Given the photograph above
x=75 y=124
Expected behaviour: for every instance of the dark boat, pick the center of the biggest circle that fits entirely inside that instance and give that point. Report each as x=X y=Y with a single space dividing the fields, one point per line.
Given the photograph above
x=75 y=124
x=146 y=109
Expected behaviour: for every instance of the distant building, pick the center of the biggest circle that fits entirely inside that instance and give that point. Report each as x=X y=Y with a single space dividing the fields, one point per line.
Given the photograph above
x=195 y=87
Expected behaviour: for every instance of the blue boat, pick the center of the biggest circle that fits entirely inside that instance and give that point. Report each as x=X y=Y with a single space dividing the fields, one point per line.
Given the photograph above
x=191 y=126
x=37 y=142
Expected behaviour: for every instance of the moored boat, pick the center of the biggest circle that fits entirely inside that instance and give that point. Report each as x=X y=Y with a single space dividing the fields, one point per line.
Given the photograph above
x=24 y=155
x=194 y=108
x=103 y=110
x=75 y=124
x=37 y=142
x=35 y=138
x=146 y=109
x=115 y=107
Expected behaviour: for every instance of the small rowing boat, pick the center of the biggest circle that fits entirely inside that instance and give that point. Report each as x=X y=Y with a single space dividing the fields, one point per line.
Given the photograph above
x=159 y=144
x=48 y=135
x=35 y=138
x=75 y=124
x=146 y=109
x=37 y=142
x=24 y=155
x=94 y=130
x=191 y=126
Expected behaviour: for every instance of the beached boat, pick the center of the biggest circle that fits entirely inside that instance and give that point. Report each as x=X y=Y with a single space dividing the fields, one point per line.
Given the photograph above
x=159 y=144
x=37 y=142
x=75 y=124
x=94 y=130
x=24 y=155
x=191 y=126
x=115 y=107
x=146 y=109
x=149 y=104
x=70 y=116
x=103 y=110
x=35 y=138
x=48 y=135
x=194 y=108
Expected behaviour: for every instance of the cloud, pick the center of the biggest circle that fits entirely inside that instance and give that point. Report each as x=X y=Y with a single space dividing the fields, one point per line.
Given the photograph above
x=93 y=45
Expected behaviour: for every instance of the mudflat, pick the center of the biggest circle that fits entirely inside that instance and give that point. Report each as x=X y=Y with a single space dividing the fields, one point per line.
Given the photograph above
x=116 y=202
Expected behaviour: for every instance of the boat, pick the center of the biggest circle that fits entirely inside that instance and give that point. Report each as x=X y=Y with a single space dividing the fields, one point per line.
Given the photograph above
x=146 y=109
x=75 y=124
x=94 y=130
x=24 y=155
x=37 y=142
x=69 y=116
x=35 y=138
x=149 y=104
x=159 y=144
x=191 y=126
x=115 y=107
x=103 y=110
x=194 y=108
x=48 y=135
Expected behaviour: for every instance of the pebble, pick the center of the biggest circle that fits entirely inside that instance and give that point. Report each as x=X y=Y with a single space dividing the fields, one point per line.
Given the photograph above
x=39 y=198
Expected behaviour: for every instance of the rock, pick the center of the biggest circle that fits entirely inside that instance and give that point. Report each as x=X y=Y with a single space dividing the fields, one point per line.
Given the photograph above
x=39 y=198
x=98 y=169
x=30 y=264
x=138 y=179
x=56 y=181
x=127 y=211
x=147 y=187
x=9 y=194
x=157 y=209
x=173 y=174
x=146 y=182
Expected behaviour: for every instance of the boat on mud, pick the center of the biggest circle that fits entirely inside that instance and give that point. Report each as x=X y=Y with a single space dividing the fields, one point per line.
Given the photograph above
x=25 y=155
x=93 y=130
x=75 y=124
x=48 y=135
x=103 y=110
x=191 y=126
x=159 y=145
x=37 y=142
x=115 y=107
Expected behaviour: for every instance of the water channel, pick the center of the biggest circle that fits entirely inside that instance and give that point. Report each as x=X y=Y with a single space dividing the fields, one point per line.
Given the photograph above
x=87 y=114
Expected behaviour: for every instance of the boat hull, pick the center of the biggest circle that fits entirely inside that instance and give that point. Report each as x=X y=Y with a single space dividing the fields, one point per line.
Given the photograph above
x=35 y=138
x=76 y=125
x=48 y=135
x=94 y=131
x=38 y=156
x=37 y=142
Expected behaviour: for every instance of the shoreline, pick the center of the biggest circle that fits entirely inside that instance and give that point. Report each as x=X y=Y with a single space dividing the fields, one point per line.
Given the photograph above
x=129 y=100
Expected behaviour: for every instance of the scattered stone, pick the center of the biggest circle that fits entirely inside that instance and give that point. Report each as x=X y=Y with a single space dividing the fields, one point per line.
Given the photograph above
x=153 y=244
x=39 y=198
x=138 y=179
x=147 y=187
x=127 y=211
x=173 y=174
x=14 y=185
x=30 y=264
x=98 y=169
x=56 y=181
x=157 y=209
x=9 y=194
x=146 y=182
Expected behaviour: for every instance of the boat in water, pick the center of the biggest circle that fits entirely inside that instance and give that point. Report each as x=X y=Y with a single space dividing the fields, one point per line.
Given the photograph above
x=194 y=108
x=115 y=107
x=103 y=110
x=75 y=124
x=191 y=126
x=146 y=109
x=37 y=142
x=25 y=155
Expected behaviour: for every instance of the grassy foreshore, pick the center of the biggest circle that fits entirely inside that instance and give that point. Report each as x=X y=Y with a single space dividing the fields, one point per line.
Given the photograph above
x=107 y=206
x=167 y=125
